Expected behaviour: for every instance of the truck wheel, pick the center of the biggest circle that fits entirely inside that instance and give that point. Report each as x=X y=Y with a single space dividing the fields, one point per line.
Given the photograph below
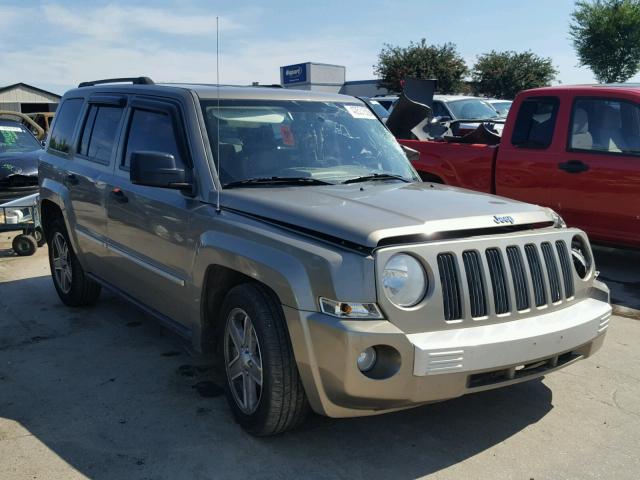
x=24 y=245
x=74 y=288
x=264 y=389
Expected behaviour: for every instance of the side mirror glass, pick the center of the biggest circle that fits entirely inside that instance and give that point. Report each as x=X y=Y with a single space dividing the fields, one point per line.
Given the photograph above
x=157 y=169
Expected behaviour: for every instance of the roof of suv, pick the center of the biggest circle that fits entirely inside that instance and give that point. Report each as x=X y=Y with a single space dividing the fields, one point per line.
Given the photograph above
x=210 y=91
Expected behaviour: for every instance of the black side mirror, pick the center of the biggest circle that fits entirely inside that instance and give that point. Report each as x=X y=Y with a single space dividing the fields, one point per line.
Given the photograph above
x=157 y=169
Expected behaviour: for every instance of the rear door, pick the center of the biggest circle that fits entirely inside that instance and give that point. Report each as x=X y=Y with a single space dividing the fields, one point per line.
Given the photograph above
x=597 y=179
x=530 y=151
x=150 y=244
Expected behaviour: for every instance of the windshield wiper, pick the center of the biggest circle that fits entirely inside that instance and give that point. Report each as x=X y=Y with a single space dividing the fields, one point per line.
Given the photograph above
x=377 y=176
x=275 y=181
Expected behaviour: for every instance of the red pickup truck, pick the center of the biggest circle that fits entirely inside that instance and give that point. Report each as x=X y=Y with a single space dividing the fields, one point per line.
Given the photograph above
x=575 y=149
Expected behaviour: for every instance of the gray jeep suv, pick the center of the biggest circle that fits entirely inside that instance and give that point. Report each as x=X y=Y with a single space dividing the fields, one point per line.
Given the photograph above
x=287 y=232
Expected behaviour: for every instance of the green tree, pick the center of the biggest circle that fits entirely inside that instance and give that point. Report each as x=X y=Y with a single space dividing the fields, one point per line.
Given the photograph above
x=606 y=36
x=419 y=60
x=504 y=74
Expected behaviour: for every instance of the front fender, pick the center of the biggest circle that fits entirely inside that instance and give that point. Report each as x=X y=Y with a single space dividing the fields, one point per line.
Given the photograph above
x=278 y=269
x=55 y=192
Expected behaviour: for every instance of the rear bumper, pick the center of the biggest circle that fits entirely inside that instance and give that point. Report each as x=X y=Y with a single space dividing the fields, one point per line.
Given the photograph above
x=436 y=366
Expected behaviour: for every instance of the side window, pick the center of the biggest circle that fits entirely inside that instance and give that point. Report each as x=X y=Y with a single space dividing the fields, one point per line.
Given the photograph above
x=535 y=122
x=439 y=110
x=65 y=124
x=151 y=131
x=99 y=133
x=603 y=125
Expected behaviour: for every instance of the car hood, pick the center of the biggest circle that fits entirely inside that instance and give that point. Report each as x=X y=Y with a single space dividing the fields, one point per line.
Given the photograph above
x=373 y=214
x=25 y=163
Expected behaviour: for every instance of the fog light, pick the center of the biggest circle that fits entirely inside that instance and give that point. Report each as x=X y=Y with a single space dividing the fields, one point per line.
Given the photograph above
x=367 y=359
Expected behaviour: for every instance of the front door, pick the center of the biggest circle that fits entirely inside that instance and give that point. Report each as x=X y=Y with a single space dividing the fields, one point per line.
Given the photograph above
x=597 y=181
x=150 y=246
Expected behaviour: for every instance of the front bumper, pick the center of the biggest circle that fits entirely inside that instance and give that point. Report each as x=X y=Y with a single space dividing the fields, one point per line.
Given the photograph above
x=437 y=365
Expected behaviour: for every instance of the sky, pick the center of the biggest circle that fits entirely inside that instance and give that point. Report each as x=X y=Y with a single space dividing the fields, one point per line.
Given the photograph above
x=57 y=44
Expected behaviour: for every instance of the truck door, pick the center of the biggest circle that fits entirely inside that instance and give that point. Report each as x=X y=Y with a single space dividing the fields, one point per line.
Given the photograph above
x=528 y=153
x=149 y=240
x=597 y=186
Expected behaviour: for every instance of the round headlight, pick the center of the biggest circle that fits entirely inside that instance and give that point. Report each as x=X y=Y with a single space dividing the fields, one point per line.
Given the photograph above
x=403 y=280
x=582 y=261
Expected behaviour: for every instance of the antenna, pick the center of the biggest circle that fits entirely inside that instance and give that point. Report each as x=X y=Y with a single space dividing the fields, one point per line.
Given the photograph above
x=219 y=187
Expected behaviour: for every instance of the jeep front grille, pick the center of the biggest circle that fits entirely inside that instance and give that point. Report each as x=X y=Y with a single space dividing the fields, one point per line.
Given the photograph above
x=516 y=276
x=448 y=268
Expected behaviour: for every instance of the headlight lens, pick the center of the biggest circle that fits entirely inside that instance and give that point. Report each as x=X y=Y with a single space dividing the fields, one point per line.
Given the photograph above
x=558 y=222
x=403 y=280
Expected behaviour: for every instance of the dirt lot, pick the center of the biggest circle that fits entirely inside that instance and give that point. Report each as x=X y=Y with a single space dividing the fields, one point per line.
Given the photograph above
x=106 y=393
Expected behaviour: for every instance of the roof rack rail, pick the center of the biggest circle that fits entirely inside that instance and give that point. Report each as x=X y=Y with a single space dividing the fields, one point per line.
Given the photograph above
x=133 y=80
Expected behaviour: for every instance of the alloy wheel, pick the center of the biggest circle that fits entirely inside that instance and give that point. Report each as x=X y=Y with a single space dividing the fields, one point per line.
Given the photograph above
x=61 y=262
x=243 y=361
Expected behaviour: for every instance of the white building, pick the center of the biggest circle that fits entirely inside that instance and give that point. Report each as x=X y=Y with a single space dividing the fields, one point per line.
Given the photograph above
x=324 y=77
x=24 y=98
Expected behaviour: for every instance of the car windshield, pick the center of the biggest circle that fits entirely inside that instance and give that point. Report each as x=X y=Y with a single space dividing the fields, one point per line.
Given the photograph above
x=327 y=142
x=471 y=109
x=502 y=107
x=14 y=138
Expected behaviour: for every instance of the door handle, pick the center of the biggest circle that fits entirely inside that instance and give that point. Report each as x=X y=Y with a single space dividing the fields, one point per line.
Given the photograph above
x=72 y=179
x=573 y=166
x=119 y=195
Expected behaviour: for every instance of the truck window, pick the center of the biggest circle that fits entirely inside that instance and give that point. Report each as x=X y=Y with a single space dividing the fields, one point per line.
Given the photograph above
x=151 y=131
x=99 y=133
x=603 y=125
x=535 y=123
x=65 y=124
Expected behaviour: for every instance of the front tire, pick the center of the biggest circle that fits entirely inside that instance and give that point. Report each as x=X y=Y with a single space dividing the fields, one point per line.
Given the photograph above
x=74 y=287
x=264 y=389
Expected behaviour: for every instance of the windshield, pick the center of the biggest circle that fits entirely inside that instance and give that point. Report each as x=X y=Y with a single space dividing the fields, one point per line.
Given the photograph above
x=14 y=138
x=471 y=109
x=322 y=141
x=502 y=107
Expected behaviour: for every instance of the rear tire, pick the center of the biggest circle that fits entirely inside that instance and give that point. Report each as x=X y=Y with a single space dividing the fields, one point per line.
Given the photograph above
x=24 y=245
x=259 y=356
x=74 y=287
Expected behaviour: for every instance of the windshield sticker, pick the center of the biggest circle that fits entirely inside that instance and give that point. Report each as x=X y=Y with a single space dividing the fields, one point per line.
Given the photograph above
x=359 y=111
x=6 y=128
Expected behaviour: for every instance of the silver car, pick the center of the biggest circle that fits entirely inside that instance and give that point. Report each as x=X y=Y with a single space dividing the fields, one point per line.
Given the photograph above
x=287 y=232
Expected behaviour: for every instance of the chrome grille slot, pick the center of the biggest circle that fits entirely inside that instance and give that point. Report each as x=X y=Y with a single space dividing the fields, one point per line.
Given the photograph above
x=498 y=280
x=519 y=277
x=565 y=265
x=537 y=279
x=449 y=280
x=552 y=271
x=475 y=282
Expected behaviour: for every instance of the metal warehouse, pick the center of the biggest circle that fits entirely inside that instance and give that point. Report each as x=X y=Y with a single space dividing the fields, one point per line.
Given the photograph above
x=24 y=98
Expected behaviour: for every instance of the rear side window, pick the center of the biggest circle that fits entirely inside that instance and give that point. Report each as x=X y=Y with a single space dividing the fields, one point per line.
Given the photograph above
x=535 y=122
x=151 y=132
x=605 y=125
x=99 y=133
x=65 y=124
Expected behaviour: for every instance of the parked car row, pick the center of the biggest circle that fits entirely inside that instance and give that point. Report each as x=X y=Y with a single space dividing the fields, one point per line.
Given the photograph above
x=287 y=232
